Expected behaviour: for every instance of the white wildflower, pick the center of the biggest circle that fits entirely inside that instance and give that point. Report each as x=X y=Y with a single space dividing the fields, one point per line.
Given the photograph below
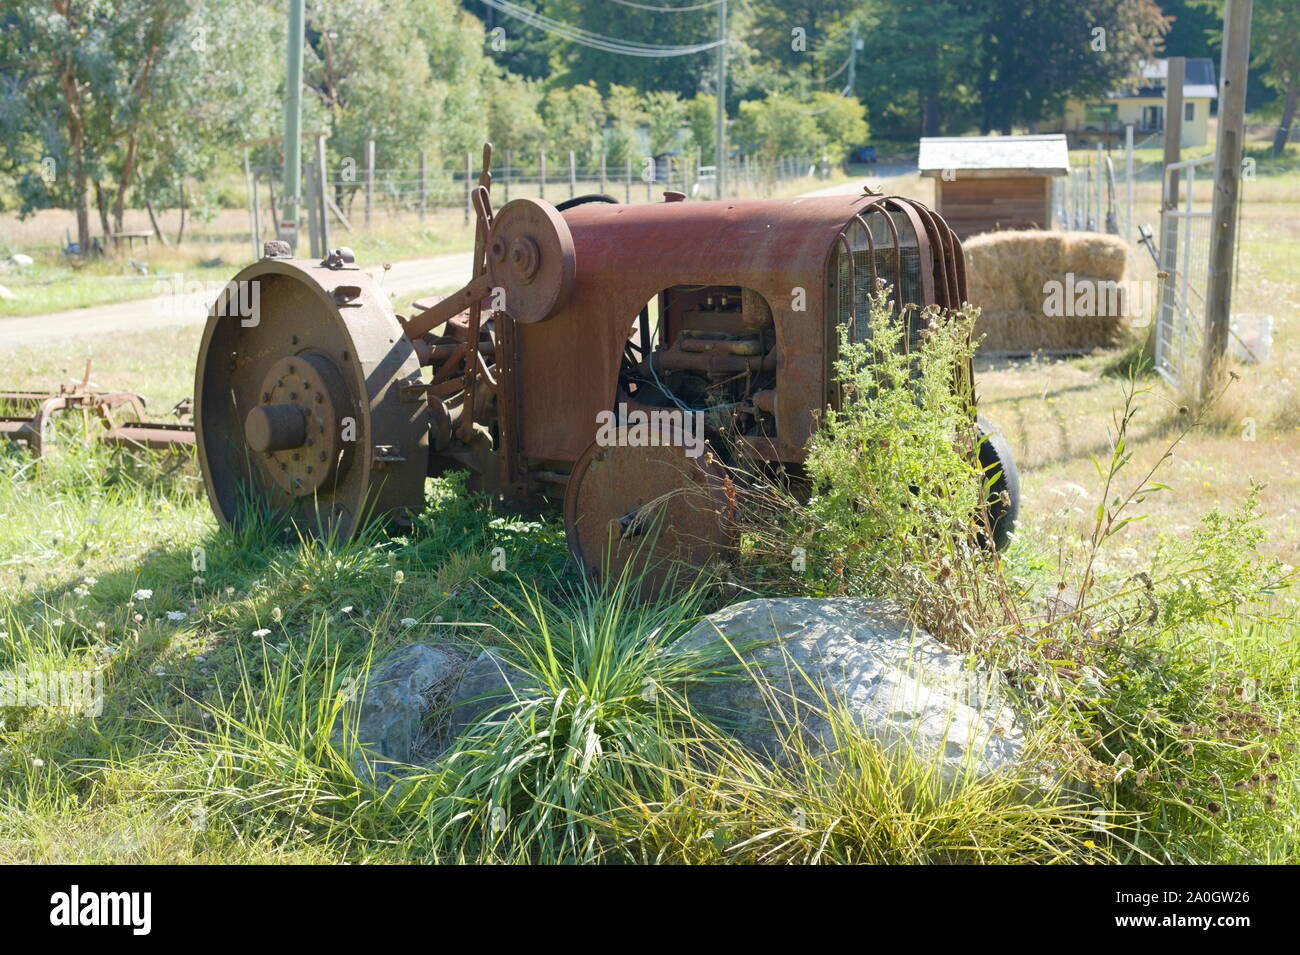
x=175 y=615
x=142 y=595
x=399 y=577
x=409 y=621
x=263 y=632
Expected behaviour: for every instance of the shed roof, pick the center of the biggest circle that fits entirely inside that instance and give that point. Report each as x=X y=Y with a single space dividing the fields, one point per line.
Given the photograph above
x=1037 y=155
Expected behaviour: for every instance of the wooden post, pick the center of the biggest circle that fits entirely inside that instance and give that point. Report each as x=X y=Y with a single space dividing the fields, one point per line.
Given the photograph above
x=505 y=178
x=602 y=171
x=573 y=176
x=1169 y=194
x=1101 y=192
x=322 y=196
x=1227 y=185
x=308 y=183
x=424 y=192
x=469 y=185
x=1129 y=227
x=541 y=189
x=627 y=181
x=370 y=178
x=251 y=186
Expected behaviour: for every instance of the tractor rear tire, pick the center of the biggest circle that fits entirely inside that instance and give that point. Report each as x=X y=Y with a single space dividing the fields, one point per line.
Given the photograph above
x=998 y=463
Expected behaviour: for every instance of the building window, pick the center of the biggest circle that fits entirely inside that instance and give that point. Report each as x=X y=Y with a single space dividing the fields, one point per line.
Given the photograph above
x=1189 y=111
x=1153 y=117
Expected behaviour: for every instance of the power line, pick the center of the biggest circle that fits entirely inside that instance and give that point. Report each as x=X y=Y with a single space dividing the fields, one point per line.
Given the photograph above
x=596 y=40
x=644 y=6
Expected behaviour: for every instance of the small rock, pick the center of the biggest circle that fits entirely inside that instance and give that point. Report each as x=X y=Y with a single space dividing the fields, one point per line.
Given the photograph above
x=489 y=682
x=394 y=696
x=21 y=260
x=6 y=293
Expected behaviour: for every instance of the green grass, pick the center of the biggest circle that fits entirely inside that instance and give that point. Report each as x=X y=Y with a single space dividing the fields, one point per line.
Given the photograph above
x=223 y=685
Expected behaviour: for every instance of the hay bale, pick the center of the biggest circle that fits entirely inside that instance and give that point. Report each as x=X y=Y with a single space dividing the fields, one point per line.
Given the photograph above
x=1006 y=276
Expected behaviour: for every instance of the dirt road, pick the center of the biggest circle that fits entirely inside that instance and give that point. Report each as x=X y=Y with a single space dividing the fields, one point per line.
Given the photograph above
x=403 y=279
x=449 y=271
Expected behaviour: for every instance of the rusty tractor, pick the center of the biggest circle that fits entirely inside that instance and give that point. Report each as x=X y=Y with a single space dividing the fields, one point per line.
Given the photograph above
x=580 y=323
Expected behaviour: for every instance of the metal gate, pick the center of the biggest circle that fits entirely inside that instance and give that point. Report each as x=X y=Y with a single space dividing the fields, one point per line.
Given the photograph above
x=1184 y=265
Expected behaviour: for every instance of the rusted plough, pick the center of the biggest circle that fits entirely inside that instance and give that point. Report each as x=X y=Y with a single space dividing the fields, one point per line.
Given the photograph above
x=28 y=416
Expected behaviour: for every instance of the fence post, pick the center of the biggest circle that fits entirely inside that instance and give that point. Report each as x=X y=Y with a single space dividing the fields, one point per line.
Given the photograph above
x=469 y=178
x=1130 y=231
x=505 y=178
x=370 y=178
x=250 y=185
x=323 y=184
x=573 y=177
x=627 y=181
x=654 y=176
x=1227 y=185
x=1101 y=206
x=541 y=189
x=423 y=191
x=602 y=171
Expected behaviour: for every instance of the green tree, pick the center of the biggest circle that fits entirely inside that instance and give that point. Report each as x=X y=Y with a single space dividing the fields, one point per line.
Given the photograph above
x=626 y=117
x=775 y=126
x=1035 y=54
x=515 y=123
x=841 y=123
x=575 y=121
x=103 y=94
x=367 y=56
x=1274 y=52
x=701 y=117
x=665 y=114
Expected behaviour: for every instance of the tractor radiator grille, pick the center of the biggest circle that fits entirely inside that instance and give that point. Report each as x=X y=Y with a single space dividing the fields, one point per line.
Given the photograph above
x=853 y=288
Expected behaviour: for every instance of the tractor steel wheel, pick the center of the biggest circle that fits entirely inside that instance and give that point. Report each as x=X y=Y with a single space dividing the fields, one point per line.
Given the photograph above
x=656 y=512
x=300 y=411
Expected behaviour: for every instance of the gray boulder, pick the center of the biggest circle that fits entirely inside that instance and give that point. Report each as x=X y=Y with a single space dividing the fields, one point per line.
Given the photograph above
x=899 y=685
x=390 y=707
x=490 y=682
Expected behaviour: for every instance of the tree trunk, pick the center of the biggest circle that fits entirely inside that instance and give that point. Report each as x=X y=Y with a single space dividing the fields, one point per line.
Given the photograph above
x=153 y=221
x=180 y=233
x=932 y=122
x=102 y=203
x=77 y=155
x=1288 y=117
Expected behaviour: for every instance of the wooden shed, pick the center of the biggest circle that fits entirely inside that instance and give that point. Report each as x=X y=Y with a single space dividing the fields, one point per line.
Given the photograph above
x=986 y=183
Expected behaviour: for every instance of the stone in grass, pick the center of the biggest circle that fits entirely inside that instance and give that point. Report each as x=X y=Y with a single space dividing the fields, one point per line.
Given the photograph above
x=394 y=698
x=489 y=683
x=897 y=683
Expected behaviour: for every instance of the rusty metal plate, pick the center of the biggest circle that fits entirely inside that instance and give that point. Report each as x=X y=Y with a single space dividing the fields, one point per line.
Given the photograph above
x=654 y=511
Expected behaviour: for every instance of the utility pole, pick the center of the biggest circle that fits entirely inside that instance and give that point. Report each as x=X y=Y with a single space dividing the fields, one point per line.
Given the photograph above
x=292 y=197
x=853 y=58
x=720 y=157
x=1227 y=185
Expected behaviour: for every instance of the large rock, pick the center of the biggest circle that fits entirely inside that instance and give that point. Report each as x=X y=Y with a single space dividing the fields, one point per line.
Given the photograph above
x=394 y=698
x=896 y=682
x=489 y=683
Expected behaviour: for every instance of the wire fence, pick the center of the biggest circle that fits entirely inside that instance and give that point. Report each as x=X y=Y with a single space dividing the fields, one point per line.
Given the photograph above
x=363 y=196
